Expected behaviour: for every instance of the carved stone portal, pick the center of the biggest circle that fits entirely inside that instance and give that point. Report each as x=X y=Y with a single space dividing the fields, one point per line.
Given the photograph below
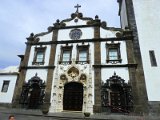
x=117 y=95
x=33 y=93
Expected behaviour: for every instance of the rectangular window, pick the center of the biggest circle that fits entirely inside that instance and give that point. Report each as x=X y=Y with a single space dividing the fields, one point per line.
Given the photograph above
x=152 y=58
x=113 y=54
x=39 y=56
x=5 y=86
x=66 y=55
x=82 y=55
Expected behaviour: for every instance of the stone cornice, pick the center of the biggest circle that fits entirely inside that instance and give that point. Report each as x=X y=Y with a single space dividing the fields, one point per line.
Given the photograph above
x=116 y=65
x=37 y=67
x=14 y=73
x=82 y=40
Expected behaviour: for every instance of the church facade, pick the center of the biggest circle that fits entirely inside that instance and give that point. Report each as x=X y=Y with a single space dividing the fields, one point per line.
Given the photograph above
x=81 y=64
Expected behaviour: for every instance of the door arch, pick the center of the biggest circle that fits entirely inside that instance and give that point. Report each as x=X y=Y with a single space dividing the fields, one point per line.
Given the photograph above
x=73 y=96
x=34 y=96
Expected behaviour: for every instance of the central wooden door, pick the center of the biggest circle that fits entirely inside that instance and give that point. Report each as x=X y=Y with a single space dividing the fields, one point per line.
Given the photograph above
x=73 y=96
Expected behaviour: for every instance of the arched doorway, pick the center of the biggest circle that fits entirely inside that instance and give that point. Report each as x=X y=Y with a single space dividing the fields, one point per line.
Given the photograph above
x=73 y=96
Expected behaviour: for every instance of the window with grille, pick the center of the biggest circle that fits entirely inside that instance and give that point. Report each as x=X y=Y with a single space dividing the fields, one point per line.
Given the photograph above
x=113 y=54
x=39 y=56
x=82 y=54
x=5 y=86
x=66 y=55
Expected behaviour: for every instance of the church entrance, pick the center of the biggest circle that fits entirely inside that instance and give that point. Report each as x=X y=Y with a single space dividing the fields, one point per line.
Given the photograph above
x=117 y=98
x=34 y=96
x=73 y=96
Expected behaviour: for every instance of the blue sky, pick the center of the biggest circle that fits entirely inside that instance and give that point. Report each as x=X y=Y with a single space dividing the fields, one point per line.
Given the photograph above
x=18 y=18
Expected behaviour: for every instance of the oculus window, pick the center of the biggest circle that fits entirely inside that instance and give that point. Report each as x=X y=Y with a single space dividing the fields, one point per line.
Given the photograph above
x=75 y=34
x=39 y=56
x=113 y=54
x=5 y=86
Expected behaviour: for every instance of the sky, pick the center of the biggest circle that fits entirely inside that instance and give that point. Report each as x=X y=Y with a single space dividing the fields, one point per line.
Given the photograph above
x=19 y=18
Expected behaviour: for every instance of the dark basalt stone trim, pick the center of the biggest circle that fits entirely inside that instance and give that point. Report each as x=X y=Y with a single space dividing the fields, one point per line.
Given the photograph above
x=82 y=41
x=115 y=65
x=37 y=67
x=120 y=5
x=77 y=26
x=14 y=73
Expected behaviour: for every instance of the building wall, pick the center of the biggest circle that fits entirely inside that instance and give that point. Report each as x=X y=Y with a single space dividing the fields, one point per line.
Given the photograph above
x=147 y=14
x=123 y=14
x=6 y=97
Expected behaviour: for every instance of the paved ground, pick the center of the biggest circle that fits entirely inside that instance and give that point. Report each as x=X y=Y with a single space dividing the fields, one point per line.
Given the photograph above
x=22 y=114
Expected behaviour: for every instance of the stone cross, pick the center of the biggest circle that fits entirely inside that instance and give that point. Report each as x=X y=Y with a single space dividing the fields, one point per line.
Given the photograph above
x=77 y=6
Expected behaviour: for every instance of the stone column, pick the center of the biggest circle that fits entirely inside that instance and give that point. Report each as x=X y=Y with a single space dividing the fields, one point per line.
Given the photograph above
x=136 y=75
x=22 y=74
x=50 y=72
x=97 y=71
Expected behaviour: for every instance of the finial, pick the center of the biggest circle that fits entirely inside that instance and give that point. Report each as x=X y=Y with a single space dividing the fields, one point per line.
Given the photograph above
x=32 y=34
x=57 y=21
x=96 y=17
x=31 y=37
x=77 y=6
x=114 y=73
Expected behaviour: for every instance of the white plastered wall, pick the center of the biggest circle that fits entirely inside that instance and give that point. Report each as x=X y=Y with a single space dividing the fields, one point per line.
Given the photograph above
x=47 y=55
x=147 y=14
x=42 y=73
x=6 y=97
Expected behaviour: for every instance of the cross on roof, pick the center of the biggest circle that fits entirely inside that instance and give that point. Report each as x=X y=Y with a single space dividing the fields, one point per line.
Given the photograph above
x=77 y=6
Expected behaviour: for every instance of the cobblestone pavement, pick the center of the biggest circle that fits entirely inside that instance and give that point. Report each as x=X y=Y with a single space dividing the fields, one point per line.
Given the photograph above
x=22 y=114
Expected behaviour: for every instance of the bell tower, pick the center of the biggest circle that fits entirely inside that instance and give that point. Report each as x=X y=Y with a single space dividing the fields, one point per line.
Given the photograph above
x=137 y=78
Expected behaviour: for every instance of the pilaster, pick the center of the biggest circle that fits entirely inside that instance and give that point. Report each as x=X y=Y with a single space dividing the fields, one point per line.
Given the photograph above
x=97 y=71
x=50 y=71
x=22 y=74
x=137 y=75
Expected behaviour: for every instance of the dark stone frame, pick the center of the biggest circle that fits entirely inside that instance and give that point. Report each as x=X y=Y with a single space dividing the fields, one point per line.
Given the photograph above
x=152 y=58
x=39 y=49
x=79 y=48
x=63 y=48
x=113 y=46
x=127 y=93
x=26 y=90
x=5 y=81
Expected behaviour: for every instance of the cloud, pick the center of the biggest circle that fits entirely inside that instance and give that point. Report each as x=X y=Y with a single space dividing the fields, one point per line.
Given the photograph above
x=21 y=17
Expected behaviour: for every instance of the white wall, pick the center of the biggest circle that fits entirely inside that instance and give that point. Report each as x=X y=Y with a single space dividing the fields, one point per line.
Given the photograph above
x=42 y=73
x=87 y=33
x=147 y=13
x=123 y=14
x=47 y=55
x=121 y=72
x=6 y=97
x=45 y=38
